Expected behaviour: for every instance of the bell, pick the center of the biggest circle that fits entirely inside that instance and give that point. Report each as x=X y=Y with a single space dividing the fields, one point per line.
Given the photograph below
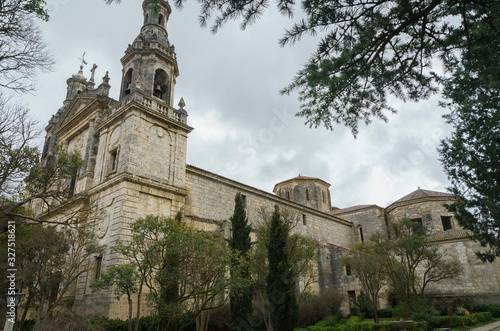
x=157 y=89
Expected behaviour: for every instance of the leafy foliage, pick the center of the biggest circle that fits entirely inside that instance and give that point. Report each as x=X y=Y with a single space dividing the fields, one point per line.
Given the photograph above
x=470 y=156
x=363 y=259
x=368 y=50
x=373 y=50
x=50 y=259
x=410 y=263
x=241 y=297
x=183 y=268
x=126 y=281
x=302 y=253
x=280 y=281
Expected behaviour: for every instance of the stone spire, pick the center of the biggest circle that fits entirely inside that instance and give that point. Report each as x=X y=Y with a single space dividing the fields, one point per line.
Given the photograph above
x=150 y=64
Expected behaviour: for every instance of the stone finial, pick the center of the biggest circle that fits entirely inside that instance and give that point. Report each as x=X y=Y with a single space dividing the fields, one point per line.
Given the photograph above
x=182 y=104
x=103 y=89
x=105 y=79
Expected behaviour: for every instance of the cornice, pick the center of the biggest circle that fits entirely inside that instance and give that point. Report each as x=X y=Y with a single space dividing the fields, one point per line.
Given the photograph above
x=128 y=177
x=395 y=205
x=264 y=194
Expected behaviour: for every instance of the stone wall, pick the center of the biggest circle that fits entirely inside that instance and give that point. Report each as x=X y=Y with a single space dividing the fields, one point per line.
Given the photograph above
x=144 y=144
x=212 y=197
x=478 y=278
x=307 y=191
x=429 y=210
x=367 y=218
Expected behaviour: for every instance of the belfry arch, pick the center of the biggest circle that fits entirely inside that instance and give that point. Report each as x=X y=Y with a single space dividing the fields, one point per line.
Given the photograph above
x=127 y=81
x=161 y=85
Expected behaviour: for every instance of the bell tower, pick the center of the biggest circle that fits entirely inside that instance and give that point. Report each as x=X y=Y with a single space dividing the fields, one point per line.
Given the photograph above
x=144 y=135
x=150 y=63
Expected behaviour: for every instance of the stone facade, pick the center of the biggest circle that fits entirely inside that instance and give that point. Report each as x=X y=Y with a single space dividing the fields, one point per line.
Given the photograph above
x=134 y=152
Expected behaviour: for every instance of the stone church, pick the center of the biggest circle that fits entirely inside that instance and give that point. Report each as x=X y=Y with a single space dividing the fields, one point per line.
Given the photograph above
x=134 y=152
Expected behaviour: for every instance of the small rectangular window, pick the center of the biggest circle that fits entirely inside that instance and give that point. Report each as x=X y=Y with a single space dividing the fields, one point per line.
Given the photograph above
x=419 y=227
x=446 y=221
x=288 y=195
x=307 y=194
x=323 y=196
x=304 y=219
x=352 y=297
x=244 y=199
x=348 y=270
x=98 y=266
x=113 y=160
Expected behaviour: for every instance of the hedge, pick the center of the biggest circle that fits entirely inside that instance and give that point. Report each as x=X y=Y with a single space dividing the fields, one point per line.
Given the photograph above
x=461 y=321
x=385 y=313
x=355 y=323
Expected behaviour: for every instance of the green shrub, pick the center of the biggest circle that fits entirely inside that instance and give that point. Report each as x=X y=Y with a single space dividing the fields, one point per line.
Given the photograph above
x=355 y=311
x=364 y=304
x=322 y=328
x=109 y=324
x=329 y=321
x=421 y=326
x=148 y=323
x=494 y=310
x=353 y=322
x=480 y=308
x=452 y=321
x=385 y=313
x=482 y=317
x=384 y=326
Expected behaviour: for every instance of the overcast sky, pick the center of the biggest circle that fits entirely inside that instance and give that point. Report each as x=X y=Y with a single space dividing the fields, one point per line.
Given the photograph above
x=243 y=128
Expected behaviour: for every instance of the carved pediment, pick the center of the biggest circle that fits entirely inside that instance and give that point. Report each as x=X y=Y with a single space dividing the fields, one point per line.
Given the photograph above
x=79 y=112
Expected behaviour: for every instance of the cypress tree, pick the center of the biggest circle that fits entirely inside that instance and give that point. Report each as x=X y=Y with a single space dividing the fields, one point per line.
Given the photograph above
x=242 y=295
x=280 y=282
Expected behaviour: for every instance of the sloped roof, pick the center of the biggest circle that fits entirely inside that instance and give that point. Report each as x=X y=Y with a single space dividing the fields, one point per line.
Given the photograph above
x=299 y=177
x=420 y=194
x=352 y=209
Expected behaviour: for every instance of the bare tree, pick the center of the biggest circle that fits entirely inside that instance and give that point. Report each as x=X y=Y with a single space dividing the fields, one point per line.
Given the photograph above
x=22 y=50
x=18 y=132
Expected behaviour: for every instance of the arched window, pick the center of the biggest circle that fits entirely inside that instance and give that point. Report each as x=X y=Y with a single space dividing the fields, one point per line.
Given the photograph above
x=160 y=20
x=146 y=17
x=307 y=194
x=360 y=229
x=160 y=86
x=127 y=80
